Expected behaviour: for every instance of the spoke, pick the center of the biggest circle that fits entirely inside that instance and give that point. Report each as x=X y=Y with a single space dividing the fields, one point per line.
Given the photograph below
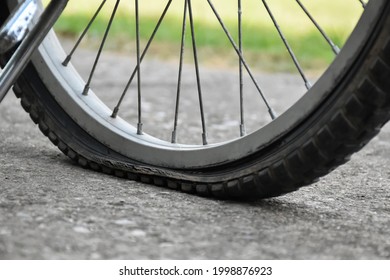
x=242 y=124
x=290 y=51
x=204 y=135
x=174 y=133
x=243 y=61
x=116 y=110
x=86 y=88
x=69 y=57
x=334 y=47
x=139 y=126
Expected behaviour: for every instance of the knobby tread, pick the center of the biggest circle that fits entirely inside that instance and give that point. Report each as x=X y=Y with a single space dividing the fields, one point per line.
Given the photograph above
x=353 y=120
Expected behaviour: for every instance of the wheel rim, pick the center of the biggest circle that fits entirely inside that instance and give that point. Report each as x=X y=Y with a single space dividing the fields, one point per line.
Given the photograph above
x=96 y=118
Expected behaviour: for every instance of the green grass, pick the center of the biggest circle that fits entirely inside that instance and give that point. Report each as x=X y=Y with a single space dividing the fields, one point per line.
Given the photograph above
x=261 y=43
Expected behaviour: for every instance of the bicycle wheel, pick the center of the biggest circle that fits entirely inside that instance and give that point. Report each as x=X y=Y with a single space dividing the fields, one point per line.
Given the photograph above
x=285 y=149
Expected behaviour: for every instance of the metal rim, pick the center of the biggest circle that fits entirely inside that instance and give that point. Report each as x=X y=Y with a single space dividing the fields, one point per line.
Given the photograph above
x=94 y=117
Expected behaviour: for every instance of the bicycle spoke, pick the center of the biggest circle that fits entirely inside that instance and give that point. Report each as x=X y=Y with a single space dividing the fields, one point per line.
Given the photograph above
x=334 y=47
x=290 y=51
x=174 y=133
x=139 y=126
x=117 y=107
x=242 y=118
x=192 y=27
x=87 y=86
x=243 y=61
x=69 y=57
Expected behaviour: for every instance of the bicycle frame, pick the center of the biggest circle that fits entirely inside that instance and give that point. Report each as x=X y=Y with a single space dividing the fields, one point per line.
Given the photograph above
x=30 y=43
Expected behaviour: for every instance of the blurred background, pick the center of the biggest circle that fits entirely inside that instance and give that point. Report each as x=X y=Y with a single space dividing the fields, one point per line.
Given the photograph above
x=262 y=44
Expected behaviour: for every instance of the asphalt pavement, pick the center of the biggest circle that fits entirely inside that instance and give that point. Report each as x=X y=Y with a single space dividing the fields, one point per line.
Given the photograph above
x=53 y=209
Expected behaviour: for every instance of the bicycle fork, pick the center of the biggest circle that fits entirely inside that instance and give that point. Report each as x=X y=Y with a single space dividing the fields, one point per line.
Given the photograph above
x=16 y=30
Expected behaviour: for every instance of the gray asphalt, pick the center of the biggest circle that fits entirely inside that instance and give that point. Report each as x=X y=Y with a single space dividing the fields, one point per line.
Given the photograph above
x=52 y=209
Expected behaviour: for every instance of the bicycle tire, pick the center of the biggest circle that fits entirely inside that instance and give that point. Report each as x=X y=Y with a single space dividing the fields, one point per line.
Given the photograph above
x=351 y=114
